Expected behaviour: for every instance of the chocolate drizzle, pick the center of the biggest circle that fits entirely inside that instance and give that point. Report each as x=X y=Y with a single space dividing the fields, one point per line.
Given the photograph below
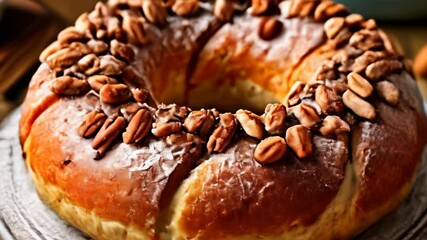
x=97 y=52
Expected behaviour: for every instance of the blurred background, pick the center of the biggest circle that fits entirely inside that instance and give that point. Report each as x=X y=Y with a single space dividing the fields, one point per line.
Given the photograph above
x=28 y=26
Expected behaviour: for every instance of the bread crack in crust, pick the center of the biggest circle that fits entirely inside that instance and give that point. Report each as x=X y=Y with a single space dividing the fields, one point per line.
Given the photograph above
x=187 y=119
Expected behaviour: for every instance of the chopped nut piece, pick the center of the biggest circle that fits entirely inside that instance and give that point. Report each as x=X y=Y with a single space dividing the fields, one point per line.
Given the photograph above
x=306 y=115
x=251 y=123
x=270 y=150
x=68 y=86
x=299 y=140
x=328 y=99
x=97 y=46
x=359 y=106
x=139 y=127
x=333 y=125
x=168 y=119
x=333 y=26
x=292 y=98
x=114 y=93
x=154 y=11
x=274 y=119
x=122 y=51
x=111 y=66
x=92 y=122
x=389 y=92
x=140 y=95
x=269 y=28
x=200 y=121
x=383 y=68
x=359 y=85
x=134 y=28
x=366 y=40
x=222 y=135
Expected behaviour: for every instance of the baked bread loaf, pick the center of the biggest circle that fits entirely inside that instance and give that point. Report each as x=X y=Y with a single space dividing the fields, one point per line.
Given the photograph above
x=305 y=122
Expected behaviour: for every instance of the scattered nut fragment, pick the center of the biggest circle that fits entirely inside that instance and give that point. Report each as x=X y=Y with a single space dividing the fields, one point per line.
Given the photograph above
x=224 y=10
x=251 y=123
x=107 y=134
x=122 y=51
x=201 y=121
x=185 y=7
x=92 y=122
x=270 y=150
x=299 y=140
x=359 y=106
x=333 y=125
x=383 y=68
x=69 y=86
x=292 y=98
x=260 y=7
x=333 y=26
x=306 y=115
x=359 y=85
x=328 y=100
x=274 y=119
x=269 y=28
x=114 y=93
x=63 y=58
x=139 y=127
x=51 y=49
x=389 y=92
x=98 y=81
x=154 y=11
x=222 y=135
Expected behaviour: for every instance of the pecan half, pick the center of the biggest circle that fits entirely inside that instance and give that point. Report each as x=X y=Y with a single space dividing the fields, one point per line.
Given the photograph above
x=98 y=81
x=302 y=8
x=139 y=127
x=68 y=86
x=366 y=40
x=165 y=129
x=269 y=28
x=333 y=26
x=140 y=95
x=354 y=19
x=333 y=125
x=154 y=11
x=97 y=46
x=299 y=139
x=223 y=134
x=92 y=122
x=270 y=150
x=107 y=134
x=388 y=45
x=359 y=85
x=114 y=29
x=328 y=100
x=251 y=123
x=368 y=57
x=83 y=48
x=71 y=34
x=359 y=106
x=274 y=119
x=114 y=93
x=168 y=119
x=224 y=10
x=185 y=7
x=370 y=24
x=383 y=68
x=336 y=10
x=306 y=115
x=292 y=98
x=88 y=62
x=51 y=49
x=111 y=66
x=84 y=25
x=320 y=12
x=63 y=58
x=122 y=51
x=201 y=121
x=134 y=28
x=389 y=92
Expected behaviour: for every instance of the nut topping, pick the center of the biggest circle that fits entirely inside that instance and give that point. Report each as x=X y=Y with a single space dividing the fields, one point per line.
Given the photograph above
x=63 y=58
x=200 y=121
x=359 y=85
x=292 y=98
x=91 y=123
x=138 y=127
x=354 y=19
x=333 y=26
x=107 y=134
x=328 y=100
x=269 y=28
x=71 y=34
x=97 y=46
x=185 y=7
x=122 y=51
x=274 y=119
x=88 y=62
x=389 y=92
x=83 y=48
x=320 y=12
x=114 y=93
x=299 y=140
x=68 y=86
x=111 y=66
x=301 y=8
x=222 y=135
x=140 y=95
x=366 y=40
x=383 y=68
x=51 y=49
x=367 y=58
x=270 y=150
x=333 y=125
x=224 y=10
x=98 y=81
x=306 y=115
x=260 y=6
x=251 y=123
x=154 y=11
x=359 y=106
x=134 y=29
x=168 y=120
